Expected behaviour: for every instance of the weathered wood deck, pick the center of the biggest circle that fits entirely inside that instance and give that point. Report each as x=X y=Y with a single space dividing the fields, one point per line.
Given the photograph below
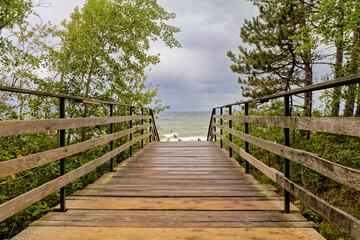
x=181 y=190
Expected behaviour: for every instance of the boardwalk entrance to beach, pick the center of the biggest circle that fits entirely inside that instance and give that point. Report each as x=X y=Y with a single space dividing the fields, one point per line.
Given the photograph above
x=176 y=190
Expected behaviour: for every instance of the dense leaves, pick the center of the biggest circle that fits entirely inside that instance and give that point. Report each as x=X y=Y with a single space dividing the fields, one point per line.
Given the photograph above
x=102 y=52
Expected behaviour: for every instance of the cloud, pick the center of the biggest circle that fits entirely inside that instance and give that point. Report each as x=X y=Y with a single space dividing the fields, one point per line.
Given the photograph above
x=198 y=76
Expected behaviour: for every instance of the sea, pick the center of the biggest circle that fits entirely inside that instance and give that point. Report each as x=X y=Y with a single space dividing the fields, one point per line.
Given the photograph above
x=183 y=126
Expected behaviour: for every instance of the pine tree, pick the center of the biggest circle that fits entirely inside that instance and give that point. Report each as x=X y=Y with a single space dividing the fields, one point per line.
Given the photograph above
x=281 y=52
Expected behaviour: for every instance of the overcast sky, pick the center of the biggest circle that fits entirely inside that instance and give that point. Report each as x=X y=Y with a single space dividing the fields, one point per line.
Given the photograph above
x=196 y=76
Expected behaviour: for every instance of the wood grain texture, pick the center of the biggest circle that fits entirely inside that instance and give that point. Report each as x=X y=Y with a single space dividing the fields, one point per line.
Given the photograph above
x=56 y=95
x=336 y=125
x=17 y=165
x=175 y=191
x=333 y=214
x=16 y=127
x=111 y=233
x=19 y=203
x=337 y=172
x=355 y=78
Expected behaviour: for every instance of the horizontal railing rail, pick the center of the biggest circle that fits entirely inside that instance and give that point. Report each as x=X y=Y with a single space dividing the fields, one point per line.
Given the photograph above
x=314 y=87
x=347 y=126
x=24 y=163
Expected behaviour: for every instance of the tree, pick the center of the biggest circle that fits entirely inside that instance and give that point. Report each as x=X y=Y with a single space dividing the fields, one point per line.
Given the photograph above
x=338 y=24
x=281 y=49
x=14 y=12
x=104 y=47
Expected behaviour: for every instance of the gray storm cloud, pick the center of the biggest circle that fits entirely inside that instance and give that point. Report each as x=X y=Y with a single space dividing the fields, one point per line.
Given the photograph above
x=196 y=76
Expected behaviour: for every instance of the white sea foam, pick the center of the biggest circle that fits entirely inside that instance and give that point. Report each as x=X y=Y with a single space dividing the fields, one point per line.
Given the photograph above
x=184 y=126
x=185 y=139
x=170 y=135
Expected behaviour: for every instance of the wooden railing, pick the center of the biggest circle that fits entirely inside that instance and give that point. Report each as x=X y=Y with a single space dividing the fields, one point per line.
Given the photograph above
x=16 y=127
x=335 y=125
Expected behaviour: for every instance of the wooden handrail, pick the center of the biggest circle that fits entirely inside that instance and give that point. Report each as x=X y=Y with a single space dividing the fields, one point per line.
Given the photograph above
x=17 y=165
x=337 y=172
x=333 y=214
x=56 y=95
x=21 y=202
x=339 y=125
x=345 y=125
x=17 y=127
x=314 y=87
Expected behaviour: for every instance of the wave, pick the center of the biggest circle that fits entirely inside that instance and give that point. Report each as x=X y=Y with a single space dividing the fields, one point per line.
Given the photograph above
x=184 y=139
x=170 y=135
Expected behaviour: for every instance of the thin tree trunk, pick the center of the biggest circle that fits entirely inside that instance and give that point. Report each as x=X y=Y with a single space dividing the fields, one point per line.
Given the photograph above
x=337 y=73
x=87 y=91
x=335 y=110
x=352 y=89
x=357 y=111
x=308 y=95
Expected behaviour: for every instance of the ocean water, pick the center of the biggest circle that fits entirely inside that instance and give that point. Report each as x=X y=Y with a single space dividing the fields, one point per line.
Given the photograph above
x=186 y=126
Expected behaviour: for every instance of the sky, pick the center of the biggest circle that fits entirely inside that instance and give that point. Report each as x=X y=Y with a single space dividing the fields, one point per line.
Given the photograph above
x=196 y=77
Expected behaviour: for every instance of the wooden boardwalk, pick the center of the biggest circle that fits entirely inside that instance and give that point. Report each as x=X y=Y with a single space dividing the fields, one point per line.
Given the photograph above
x=177 y=190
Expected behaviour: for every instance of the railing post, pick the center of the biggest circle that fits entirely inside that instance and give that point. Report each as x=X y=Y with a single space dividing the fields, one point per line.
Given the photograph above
x=221 y=131
x=111 y=142
x=214 y=113
x=230 y=135
x=150 y=128
x=62 y=161
x=131 y=135
x=142 y=130
x=287 y=162
x=247 y=167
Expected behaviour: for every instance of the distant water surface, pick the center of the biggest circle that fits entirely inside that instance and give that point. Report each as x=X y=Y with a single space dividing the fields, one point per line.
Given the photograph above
x=186 y=126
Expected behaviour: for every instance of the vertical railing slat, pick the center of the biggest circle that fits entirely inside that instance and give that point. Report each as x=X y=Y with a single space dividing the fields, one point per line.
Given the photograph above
x=221 y=131
x=247 y=166
x=287 y=161
x=111 y=142
x=142 y=130
x=62 y=161
x=230 y=135
x=131 y=135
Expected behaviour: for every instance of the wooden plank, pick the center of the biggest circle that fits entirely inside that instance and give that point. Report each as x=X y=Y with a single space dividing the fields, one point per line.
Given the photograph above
x=343 y=220
x=336 y=125
x=107 y=233
x=212 y=198
x=337 y=172
x=56 y=95
x=314 y=87
x=176 y=224
x=170 y=188
x=19 y=203
x=178 y=204
x=175 y=216
x=183 y=182
x=17 y=165
x=178 y=193
x=253 y=161
x=15 y=127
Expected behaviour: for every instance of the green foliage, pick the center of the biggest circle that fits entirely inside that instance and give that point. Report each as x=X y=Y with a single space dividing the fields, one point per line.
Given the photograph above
x=276 y=46
x=102 y=52
x=13 y=12
x=343 y=150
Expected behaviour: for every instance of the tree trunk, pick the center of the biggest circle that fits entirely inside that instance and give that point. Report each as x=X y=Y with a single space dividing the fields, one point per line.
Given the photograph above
x=339 y=44
x=335 y=104
x=308 y=95
x=352 y=89
x=357 y=111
